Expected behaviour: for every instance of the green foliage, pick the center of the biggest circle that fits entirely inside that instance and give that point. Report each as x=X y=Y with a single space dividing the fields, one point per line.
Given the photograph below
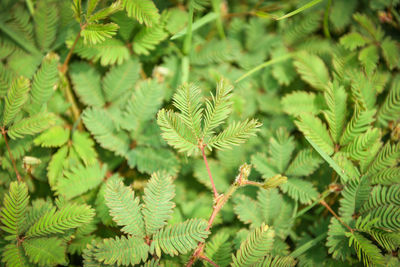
x=125 y=122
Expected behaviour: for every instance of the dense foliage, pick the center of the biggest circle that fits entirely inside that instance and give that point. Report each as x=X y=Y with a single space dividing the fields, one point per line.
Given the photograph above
x=199 y=132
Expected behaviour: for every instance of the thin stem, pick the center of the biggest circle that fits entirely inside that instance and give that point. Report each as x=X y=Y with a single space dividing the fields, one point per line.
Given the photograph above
x=71 y=99
x=336 y=216
x=204 y=257
x=322 y=197
x=216 y=4
x=326 y=19
x=209 y=172
x=220 y=202
x=187 y=45
x=4 y=132
x=64 y=66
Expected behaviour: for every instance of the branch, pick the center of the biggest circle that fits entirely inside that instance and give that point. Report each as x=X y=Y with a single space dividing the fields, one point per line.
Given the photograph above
x=201 y=146
x=64 y=66
x=220 y=201
x=336 y=216
x=204 y=257
x=4 y=132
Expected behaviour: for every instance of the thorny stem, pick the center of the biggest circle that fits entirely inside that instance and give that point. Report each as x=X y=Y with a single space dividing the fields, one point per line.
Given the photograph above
x=219 y=203
x=201 y=146
x=4 y=132
x=323 y=203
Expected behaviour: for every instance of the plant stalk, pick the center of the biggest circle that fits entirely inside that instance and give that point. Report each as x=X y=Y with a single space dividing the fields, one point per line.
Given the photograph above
x=209 y=172
x=323 y=203
x=4 y=132
x=219 y=203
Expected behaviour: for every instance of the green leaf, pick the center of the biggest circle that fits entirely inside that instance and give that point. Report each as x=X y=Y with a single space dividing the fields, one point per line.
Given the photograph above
x=45 y=251
x=369 y=57
x=298 y=102
x=148 y=38
x=56 y=165
x=46 y=19
x=158 y=207
x=102 y=127
x=248 y=211
x=355 y=194
x=175 y=132
x=125 y=208
x=359 y=123
x=80 y=179
x=83 y=145
x=264 y=165
x=109 y=52
x=16 y=98
x=179 y=238
x=122 y=251
x=235 y=134
x=304 y=164
x=391 y=54
x=312 y=70
x=120 y=79
x=14 y=255
x=300 y=190
x=58 y=222
x=45 y=80
x=281 y=148
x=390 y=108
x=219 y=249
x=31 y=125
x=144 y=11
x=12 y=214
x=336 y=100
x=97 y=33
x=56 y=136
x=352 y=41
x=148 y=160
x=258 y=243
x=313 y=128
x=143 y=106
x=337 y=241
x=187 y=100
x=366 y=250
x=86 y=81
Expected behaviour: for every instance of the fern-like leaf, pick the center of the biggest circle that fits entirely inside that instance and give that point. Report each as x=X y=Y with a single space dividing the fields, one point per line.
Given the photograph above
x=31 y=125
x=46 y=19
x=45 y=80
x=390 y=109
x=366 y=250
x=57 y=222
x=45 y=251
x=188 y=100
x=300 y=190
x=86 y=81
x=54 y=137
x=313 y=128
x=14 y=256
x=336 y=99
x=312 y=70
x=125 y=208
x=235 y=134
x=122 y=251
x=12 y=215
x=16 y=98
x=158 y=207
x=96 y=32
x=147 y=39
x=145 y=11
x=120 y=79
x=175 y=131
x=304 y=164
x=218 y=109
x=219 y=249
x=79 y=180
x=257 y=245
x=179 y=238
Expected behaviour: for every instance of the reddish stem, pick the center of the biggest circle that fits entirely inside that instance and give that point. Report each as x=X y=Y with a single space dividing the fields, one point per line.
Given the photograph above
x=204 y=257
x=3 y=131
x=209 y=172
x=336 y=216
